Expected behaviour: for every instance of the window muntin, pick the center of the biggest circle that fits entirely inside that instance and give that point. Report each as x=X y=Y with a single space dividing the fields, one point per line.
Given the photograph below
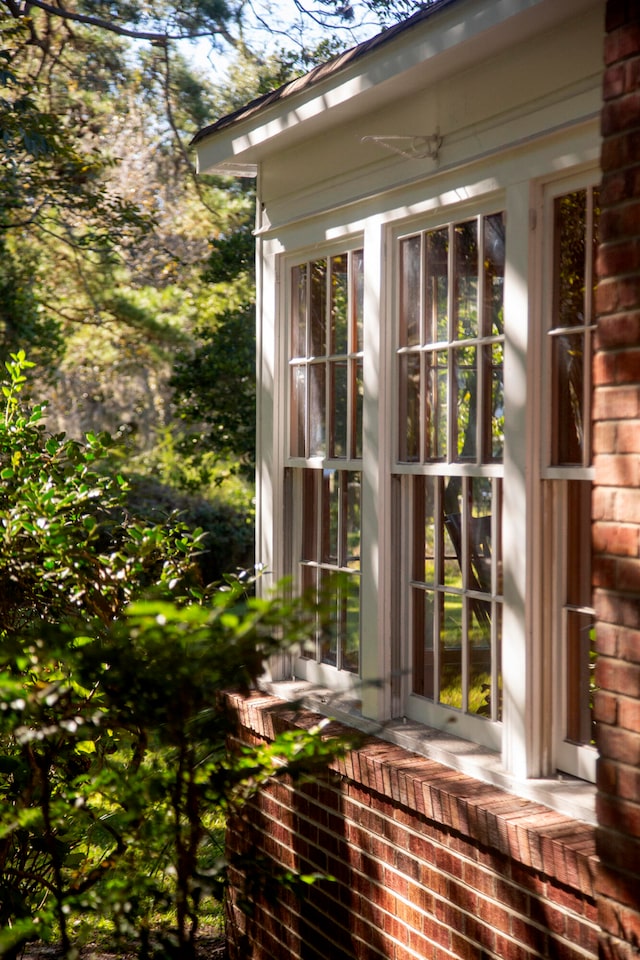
x=326 y=404
x=326 y=373
x=451 y=419
x=330 y=545
x=574 y=217
x=451 y=343
x=456 y=592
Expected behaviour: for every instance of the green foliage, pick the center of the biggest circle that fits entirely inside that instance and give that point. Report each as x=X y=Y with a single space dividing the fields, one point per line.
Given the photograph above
x=114 y=759
x=215 y=386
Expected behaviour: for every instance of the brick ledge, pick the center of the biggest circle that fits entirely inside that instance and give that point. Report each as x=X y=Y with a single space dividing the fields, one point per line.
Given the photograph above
x=536 y=836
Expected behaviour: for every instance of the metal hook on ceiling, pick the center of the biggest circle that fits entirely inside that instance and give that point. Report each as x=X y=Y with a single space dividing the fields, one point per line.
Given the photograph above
x=418 y=147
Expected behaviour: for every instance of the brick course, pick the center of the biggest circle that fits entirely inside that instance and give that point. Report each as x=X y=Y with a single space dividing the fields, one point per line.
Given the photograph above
x=427 y=862
x=616 y=500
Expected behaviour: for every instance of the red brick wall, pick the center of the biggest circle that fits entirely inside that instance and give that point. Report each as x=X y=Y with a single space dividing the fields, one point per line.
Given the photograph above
x=428 y=863
x=617 y=489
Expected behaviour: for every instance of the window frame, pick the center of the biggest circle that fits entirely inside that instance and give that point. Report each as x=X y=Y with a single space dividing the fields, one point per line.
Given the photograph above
x=480 y=730
x=575 y=759
x=312 y=468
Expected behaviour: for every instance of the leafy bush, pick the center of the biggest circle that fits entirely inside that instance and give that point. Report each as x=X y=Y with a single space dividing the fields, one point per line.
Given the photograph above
x=114 y=767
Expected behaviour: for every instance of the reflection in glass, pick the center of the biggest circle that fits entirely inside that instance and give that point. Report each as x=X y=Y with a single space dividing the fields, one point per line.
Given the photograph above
x=299 y=311
x=479 y=654
x=338 y=400
x=423 y=651
x=309 y=546
x=317 y=414
x=466 y=279
x=436 y=405
x=352 y=526
x=350 y=633
x=437 y=287
x=409 y=433
x=339 y=304
x=578 y=615
x=331 y=627
x=356 y=440
x=568 y=368
x=570 y=218
x=424 y=561
x=467 y=399
x=330 y=516
x=357 y=282
x=479 y=540
x=493 y=423
x=318 y=308
x=298 y=410
x=494 y=247
x=410 y=291
x=457 y=567
x=450 y=681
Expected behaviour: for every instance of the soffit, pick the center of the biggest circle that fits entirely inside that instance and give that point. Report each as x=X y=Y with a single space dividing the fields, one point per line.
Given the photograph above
x=451 y=36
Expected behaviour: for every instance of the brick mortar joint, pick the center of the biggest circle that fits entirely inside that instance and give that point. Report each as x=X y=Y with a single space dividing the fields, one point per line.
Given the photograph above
x=455 y=809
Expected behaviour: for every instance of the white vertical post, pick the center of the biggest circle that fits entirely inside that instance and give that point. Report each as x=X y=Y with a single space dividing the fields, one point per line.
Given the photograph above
x=517 y=661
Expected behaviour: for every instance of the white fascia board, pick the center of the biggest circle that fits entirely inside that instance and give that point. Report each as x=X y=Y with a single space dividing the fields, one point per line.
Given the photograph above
x=449 y=41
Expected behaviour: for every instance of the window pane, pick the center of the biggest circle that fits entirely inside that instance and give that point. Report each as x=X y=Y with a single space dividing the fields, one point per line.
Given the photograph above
x=319 y=308
x=570 y=217
x=466 y=280
x=423 y=617
x=410 y=291
x=580 y=683
x=339 y=304
x=451 y=650
x=424 y=521
x=338 y=399
x=493 y=423
x=451 y=567
x=317 y=413
x=357 y=266
x=350 y=646
x=579 y=619
x=436 y=405
x=409 y=432
x=352 y=527
x=437 y=287
x=330 y=516
x=329 y=636
x=356 y=440
x=479 y=657
x=309 y=548
x=479 y=536
x=298 y=410
x=494 y=235
x=467 y=402
x=309 y=585
x=299 y=311
x=568 y=395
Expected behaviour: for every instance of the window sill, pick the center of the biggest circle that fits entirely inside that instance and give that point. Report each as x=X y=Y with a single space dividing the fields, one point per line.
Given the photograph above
x=564 y=794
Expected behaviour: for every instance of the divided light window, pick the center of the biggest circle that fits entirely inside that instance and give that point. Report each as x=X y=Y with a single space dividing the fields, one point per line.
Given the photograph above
x=325 y=445
x=450 y=343
x=569 y=356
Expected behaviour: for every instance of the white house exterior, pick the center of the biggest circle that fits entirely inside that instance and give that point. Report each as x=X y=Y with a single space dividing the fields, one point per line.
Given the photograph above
x=429 y=441
x=449 y=417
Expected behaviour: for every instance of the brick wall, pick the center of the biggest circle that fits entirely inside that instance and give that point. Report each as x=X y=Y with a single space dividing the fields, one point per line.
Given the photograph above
x=428 y=863
x=617 y=489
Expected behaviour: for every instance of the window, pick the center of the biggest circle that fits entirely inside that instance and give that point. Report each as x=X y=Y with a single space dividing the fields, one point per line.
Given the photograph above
x=568 y=353
x=475 y=499
x=450 y=345
x=326 y=397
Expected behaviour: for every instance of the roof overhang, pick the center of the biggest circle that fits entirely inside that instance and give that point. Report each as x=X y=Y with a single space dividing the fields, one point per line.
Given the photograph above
x=446 y=38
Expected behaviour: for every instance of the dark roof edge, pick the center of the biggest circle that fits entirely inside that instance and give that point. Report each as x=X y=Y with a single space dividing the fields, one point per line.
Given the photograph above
x=321 y=72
